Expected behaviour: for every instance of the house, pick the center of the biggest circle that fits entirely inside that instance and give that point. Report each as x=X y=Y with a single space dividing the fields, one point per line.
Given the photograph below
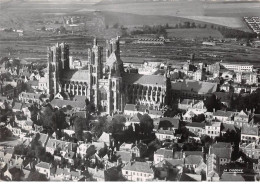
x=162 y=154
x=167 y=122
x=106 y=138
x=66 y=147
x=30 y=97
x=212 y=129
x=124 y=156
x=86 y=150
x=97 y=174
x=186 y=104
x=59 y=103
x=167 y=167
x=42 y=138
x=17 y=107
x=227 y=128
x=249 y=134
x=43 y=84
x=165 y=134
x=213 y=170
x=13 y=174
x=192 y=89
x=196 y=128
x=252 y=150
x=223 y=151
x=241 y=118
x=62 y=96
x=126 y=147
x=44 y=168
x=223 y=116
x=188 y=177
x=191 y=162
x=34 y=84
x=70 y=156
x=138 y=171
x=139 y=150
x=191 y=113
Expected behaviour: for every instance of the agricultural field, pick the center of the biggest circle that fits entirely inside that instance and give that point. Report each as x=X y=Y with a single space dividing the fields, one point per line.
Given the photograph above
x=193 y=33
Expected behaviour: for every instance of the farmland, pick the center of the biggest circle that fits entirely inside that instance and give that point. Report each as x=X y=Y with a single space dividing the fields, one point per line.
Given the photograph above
x=193 y=33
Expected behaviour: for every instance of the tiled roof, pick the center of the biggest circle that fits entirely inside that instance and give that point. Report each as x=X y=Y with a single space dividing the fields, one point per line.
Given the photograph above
x=195 y=86
x=105 y=137
x=17 y=106
x=165 y=152
x=130 y=107
x=156 y=112
x=228 y=127
x=139 y=167
x=60 y=103
x=53 y=143
x=196 y=124
x=76 y=75
x=168 y=132
x=145 y=79
x=126 y=146
x=43 y=165
x=43 y=138
x=97 y=173
x=124 y=155
x=174 y=162
x=193 y=159
x=33 y=82
x=250 y=130
x=223 y=113
x=79 y=98
x=222 y=150
x=30 y=95
x=198 y=153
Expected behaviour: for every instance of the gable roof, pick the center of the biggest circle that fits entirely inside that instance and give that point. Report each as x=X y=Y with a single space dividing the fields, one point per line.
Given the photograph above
x=193 y=159
x=196 y=124
x=76 y=75
x=145 y=79
x=223 y=113
x=105 y=137
x=250 y=130
x=139 y=167
x=44 y=165
x=124 y=155
x=195 y=86
x=17 y=106
x=221 y=149
x=228 y=127
x=60 y=103
x=165 y=152
x=130 y=107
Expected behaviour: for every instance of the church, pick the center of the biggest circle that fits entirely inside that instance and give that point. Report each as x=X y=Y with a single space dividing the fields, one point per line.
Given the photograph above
x=103 y=82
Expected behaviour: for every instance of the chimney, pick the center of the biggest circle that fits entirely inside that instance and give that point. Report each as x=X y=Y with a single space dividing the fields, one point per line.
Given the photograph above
x=214 y=110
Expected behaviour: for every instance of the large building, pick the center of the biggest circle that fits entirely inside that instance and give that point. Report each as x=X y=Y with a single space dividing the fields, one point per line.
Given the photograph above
x=101 y=83
x=104 y=83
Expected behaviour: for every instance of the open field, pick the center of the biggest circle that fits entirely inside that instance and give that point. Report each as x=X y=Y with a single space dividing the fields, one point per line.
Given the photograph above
x=193 y=33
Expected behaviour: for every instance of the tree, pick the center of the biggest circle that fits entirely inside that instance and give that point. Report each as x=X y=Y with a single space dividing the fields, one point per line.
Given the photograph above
x=212 y=103
x=4 y=133
x=146 y=124
x=36 y=176
x=79 y=124
x=198 y=118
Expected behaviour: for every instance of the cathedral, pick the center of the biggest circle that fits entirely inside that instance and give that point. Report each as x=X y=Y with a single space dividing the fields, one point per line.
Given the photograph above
x=103 y=82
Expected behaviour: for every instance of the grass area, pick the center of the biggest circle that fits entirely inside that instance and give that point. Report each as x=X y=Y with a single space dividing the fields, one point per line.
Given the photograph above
x=193 y=33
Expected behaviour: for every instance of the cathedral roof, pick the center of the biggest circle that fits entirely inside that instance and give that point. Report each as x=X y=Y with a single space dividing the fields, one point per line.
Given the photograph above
x=76 y=75
x=145 y=79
